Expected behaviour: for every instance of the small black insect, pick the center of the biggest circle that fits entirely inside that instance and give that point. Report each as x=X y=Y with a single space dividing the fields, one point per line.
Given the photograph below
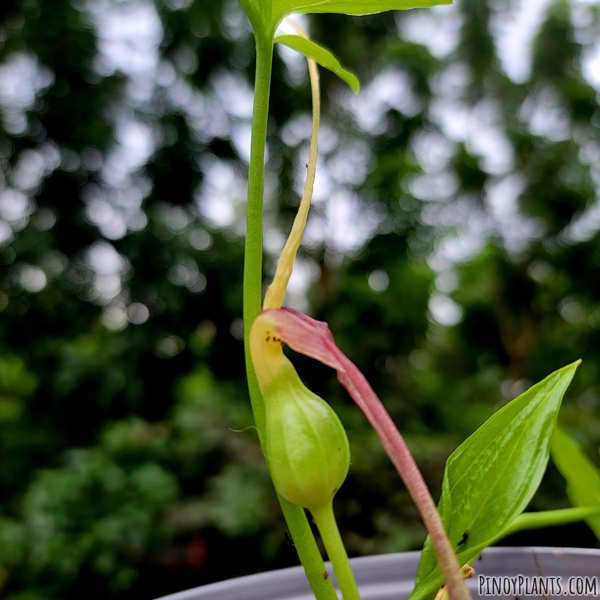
x=464 y=538
x=289 y=539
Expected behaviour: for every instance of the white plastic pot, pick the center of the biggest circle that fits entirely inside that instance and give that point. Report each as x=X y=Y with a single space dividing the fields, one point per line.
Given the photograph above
x=392 y=576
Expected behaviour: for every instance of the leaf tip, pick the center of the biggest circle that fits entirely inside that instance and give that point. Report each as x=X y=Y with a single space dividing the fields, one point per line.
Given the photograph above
x=572 y=366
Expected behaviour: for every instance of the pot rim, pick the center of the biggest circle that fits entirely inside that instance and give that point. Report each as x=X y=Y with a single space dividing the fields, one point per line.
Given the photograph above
x=403 y=564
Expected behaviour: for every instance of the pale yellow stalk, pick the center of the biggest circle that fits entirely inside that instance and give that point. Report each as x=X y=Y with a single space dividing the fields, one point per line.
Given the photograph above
x=276 y=291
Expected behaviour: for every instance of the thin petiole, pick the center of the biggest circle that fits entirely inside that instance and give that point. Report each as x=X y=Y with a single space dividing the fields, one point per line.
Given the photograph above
x=276 y=291
x=336 y=552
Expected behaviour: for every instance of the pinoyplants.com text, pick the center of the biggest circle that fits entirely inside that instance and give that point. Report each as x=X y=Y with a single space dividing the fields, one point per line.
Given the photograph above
x=520 y=585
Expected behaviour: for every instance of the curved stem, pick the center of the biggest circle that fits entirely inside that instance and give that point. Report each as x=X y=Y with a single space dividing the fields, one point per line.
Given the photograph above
x=276 y=291
x=294 y=515
x=336 y=552
x=395 y=446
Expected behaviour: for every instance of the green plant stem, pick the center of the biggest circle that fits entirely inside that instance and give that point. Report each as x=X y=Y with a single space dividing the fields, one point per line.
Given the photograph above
x=549 y=518
x=294 y=515
x=254 y=216
x=307 y=549
x=336 y=552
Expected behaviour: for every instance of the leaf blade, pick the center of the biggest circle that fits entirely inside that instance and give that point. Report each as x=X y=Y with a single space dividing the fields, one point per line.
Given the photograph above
x=492 y=476
x=320 y=55
x=354 y=7
x=583 y=479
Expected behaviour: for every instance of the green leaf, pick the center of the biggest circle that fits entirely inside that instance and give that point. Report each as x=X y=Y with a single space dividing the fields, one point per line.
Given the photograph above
x=351 y=7
x=321 y=56
x=583 y=479
x=265 y=15
x=492 y=476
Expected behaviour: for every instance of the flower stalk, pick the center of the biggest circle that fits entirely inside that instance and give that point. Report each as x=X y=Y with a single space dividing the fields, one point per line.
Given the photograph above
x=276 y=291
x=294 y=515
x=305 y=442
x=325 y=520
x=254 y=217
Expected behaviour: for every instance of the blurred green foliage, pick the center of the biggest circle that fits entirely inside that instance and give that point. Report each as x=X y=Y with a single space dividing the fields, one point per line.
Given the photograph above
x=453 y=248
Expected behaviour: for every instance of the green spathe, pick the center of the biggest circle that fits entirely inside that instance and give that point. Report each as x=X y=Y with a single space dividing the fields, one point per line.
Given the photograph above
x=492 y=476
x=307 y=446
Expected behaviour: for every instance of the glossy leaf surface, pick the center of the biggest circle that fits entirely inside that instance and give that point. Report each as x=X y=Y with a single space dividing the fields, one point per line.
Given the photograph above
x=492 y=476
x=321 y=56
x=583 y=478
x=352 y=7
x=265 y=15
